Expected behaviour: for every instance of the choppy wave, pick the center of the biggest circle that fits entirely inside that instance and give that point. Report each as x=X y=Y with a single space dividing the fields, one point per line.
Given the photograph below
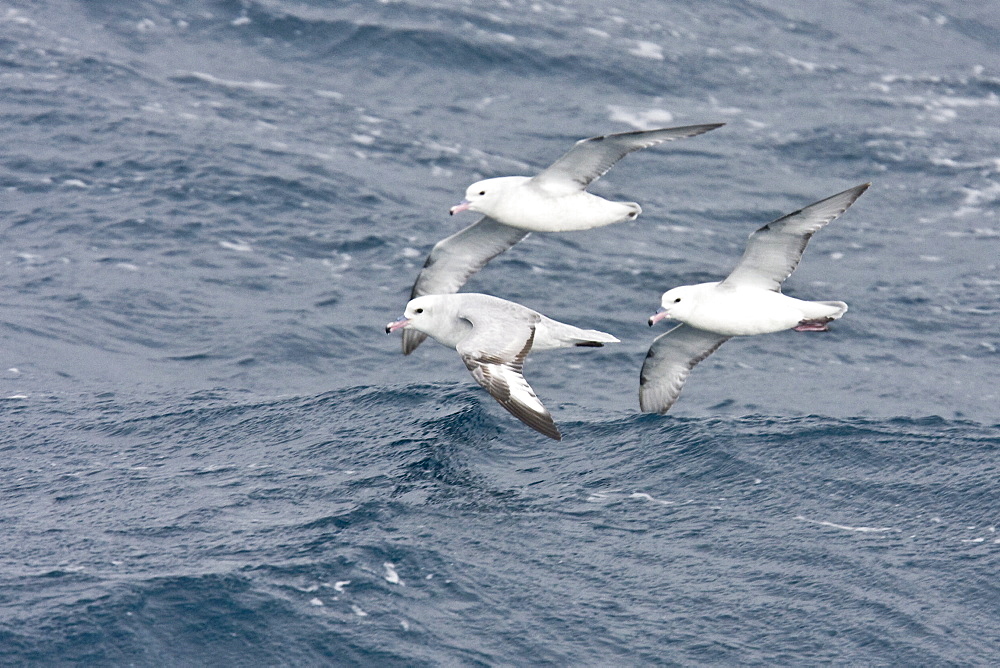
x=213 y=455
x=413 y=523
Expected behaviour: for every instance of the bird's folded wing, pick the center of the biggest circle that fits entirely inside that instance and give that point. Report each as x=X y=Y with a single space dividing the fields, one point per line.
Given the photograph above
x=454 y=259
x=590 y=159
x=774 y=250
x=499 y=371
x=668 y=363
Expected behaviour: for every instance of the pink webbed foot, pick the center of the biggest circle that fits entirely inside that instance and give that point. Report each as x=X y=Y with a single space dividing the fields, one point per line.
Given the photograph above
x=818 y=325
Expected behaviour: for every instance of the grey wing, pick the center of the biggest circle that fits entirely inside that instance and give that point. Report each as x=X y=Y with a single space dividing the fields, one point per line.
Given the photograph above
x=590 y=159
x=668 y=363
x=499 y=372
x=454 y=259
x=774 y=250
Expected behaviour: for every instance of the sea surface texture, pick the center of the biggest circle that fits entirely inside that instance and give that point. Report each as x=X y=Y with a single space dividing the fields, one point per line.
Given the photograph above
x=212 y=455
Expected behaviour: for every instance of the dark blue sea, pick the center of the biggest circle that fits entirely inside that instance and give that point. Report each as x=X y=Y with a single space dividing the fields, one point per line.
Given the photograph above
x=212 y=455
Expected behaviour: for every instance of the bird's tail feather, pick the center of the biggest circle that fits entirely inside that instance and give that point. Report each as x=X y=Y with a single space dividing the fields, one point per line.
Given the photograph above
x=840 y=306
x=592 y=338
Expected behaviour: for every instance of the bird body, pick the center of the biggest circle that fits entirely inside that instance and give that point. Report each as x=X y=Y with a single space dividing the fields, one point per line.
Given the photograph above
x=741 y=310
x=524 y=203
x=494 y=336
x=452 y=319
x=746 y=303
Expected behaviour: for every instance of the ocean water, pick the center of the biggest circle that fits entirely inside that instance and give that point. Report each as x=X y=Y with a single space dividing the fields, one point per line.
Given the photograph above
x=213 y=455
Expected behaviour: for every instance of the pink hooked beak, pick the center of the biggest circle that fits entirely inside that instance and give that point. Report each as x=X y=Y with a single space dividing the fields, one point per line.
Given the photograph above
x=661 y=314
x=460 y=207
x=396 y=324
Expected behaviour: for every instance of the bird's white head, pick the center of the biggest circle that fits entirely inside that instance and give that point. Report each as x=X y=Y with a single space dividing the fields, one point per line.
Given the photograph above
x=419 y=312
x=676 y=304
x=483 y=196
x=421 y=309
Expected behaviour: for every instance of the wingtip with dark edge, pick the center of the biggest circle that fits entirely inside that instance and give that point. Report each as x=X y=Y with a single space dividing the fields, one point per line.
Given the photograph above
x=691 y=130
x=540 y=422
x=552 y=433
x=854 y=193
x=860 y=189
x=700 y=129
x=548 y=429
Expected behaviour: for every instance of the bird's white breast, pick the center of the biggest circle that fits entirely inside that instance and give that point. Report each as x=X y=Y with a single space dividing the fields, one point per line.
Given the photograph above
x=744 y=312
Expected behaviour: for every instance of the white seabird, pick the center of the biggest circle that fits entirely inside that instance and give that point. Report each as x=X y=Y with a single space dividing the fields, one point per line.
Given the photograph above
x=747 y=302
x=556 y=199
x=493 y=336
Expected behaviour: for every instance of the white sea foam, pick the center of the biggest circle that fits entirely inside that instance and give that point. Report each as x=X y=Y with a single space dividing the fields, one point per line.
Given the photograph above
x=391 y=576
x=240 y=246
x=641 y=119
x=844 y=527
x=647 y=50
x=204 y=77
x=647 y=497
x=14 y=16
x=803 y=65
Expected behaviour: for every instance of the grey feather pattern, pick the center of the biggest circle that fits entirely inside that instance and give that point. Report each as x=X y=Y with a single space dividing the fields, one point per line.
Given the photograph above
x=774 y=250
x=668 y=363
x=590 y=159
x=488 y=370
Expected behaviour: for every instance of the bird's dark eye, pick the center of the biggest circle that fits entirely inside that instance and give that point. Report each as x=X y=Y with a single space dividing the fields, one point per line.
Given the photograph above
x=677 y=300
x=418 y=310
x=482 y=192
